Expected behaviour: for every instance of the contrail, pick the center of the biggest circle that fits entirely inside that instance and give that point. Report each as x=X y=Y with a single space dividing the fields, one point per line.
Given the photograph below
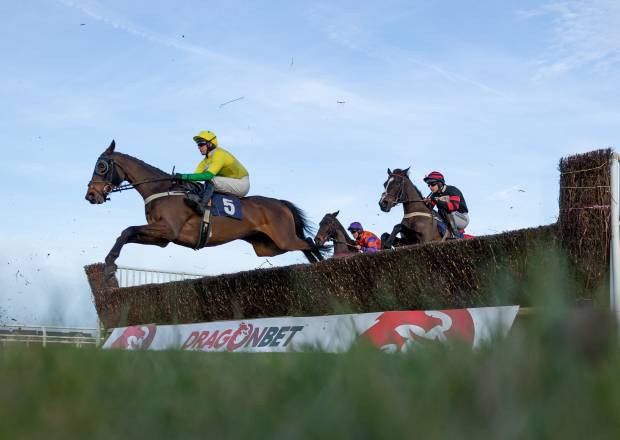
x=233 y=100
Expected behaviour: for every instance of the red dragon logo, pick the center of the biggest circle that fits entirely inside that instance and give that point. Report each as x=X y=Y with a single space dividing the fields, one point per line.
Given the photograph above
x=403 y=331
x=240 y=336
x=138 y=337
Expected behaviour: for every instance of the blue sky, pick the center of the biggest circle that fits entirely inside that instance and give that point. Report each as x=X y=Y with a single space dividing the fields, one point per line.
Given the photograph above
x=490 y=93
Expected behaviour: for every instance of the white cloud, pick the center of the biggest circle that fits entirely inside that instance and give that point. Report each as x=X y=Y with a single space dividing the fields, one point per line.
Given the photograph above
x=355 y=32
x=584 y=33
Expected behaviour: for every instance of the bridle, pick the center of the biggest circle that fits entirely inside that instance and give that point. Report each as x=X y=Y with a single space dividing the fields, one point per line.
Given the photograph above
x=330 y=236
x=399 y=198
x=107 y=169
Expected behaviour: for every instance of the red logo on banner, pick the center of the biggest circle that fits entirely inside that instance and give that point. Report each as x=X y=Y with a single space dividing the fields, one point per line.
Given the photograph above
x=402 y=331
x=240 y=336
x=138 y=337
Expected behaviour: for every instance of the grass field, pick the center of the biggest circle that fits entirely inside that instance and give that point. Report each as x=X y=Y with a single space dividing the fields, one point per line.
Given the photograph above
x=557 y=375
x=538 y=383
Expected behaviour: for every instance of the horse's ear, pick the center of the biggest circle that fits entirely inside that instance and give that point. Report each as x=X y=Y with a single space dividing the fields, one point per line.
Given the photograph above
x=389 y=171
x=406 y=171
x=335 y=214
x=111 y=148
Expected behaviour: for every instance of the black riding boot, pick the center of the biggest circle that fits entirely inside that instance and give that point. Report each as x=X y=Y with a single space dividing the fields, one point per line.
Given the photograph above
x=201 y=201
x=205 y=196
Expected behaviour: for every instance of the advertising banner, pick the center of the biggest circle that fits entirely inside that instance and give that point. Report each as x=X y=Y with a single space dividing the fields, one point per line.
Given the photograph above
x=390 y=331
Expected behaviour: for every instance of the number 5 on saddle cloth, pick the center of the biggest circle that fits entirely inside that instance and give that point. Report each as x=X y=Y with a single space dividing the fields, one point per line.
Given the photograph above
x=226 y=205
x=221 y=205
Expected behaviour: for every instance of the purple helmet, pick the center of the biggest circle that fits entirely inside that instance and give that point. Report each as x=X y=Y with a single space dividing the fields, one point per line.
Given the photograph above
x=355 y=226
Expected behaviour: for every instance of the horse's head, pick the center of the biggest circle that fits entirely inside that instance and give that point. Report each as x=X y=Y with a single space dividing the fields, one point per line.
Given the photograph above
x=395 y=191
x=327 y=229
x=106 y=176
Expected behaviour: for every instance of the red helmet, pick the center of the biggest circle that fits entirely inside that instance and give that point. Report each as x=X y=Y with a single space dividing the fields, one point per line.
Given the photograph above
x=435 y=177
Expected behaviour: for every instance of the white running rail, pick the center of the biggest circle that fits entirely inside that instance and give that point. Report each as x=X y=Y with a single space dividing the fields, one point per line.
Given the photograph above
x=134 y=276
x=49 y=334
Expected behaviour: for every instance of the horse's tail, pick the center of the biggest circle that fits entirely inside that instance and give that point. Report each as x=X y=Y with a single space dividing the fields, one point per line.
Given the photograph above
x=303 y=225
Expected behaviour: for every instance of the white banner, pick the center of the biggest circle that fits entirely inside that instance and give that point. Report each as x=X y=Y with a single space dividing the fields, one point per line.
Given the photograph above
x=390 y=331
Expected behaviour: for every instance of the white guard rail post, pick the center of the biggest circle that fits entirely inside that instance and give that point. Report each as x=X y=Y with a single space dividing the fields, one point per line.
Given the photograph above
x=614 y=252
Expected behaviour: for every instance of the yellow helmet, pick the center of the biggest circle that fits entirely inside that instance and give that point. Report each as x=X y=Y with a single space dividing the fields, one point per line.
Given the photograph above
x=208 y=136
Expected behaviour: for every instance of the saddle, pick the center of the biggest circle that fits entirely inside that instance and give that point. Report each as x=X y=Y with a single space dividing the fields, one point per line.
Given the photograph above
x=220 y=205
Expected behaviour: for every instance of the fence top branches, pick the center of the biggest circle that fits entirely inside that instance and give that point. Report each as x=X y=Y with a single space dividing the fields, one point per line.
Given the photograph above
x=583 y=223
x=436 y=275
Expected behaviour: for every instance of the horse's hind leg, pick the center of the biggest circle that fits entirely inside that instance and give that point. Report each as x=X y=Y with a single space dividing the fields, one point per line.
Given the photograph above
x=315 y=253
x=267 y=248
x=311 y=256
x=285 y=239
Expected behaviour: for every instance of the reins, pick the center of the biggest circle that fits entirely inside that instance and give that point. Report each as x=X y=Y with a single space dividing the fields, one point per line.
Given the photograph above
x=342 y=242
x=402 y=190
x=128 y=186
x=106 y=168
x=333 y=239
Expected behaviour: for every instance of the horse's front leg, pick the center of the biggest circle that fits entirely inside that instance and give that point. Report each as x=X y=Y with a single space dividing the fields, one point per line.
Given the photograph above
x=155 y=234
x=389 y=242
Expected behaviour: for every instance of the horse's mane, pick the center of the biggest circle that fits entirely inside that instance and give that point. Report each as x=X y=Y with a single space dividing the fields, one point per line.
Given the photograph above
x=188 y=186
x=417 y=190
x=406 y=174
x=143 y=163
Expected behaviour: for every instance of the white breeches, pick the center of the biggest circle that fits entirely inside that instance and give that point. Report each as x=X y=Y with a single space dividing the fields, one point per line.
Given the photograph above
x=228 y=185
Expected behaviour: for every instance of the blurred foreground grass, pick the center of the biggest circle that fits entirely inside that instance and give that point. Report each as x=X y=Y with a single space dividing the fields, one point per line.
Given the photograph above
x=557 y=375
x=531 y=385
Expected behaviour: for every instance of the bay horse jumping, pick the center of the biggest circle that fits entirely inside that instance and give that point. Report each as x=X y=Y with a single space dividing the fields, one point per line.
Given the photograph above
x=271 y=226
x=330 y=229
x=418 y=224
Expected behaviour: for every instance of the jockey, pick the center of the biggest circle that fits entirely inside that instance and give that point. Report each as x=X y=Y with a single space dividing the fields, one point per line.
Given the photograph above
x=219 y=170
x=365 y=241
x=449 y=201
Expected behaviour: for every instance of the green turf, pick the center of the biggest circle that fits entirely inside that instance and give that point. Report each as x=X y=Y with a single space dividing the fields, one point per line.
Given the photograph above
x=557 y=375
x=527 y=386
